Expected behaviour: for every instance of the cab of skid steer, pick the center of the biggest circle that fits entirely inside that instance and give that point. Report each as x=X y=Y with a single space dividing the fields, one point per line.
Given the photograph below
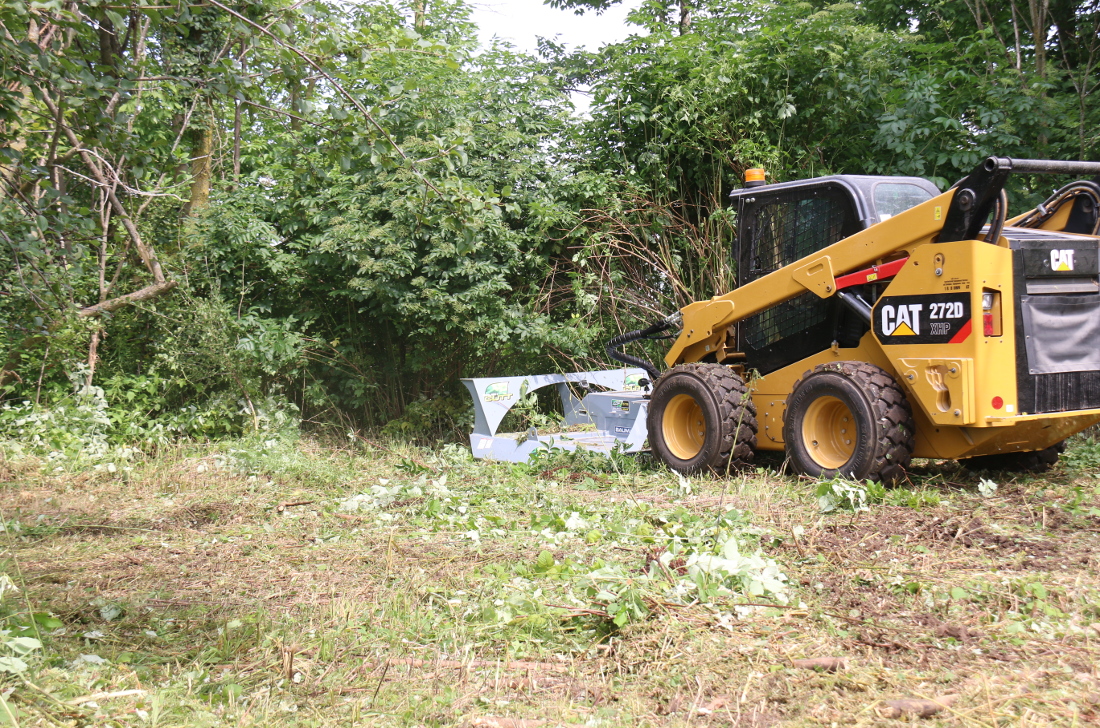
x=778 y=224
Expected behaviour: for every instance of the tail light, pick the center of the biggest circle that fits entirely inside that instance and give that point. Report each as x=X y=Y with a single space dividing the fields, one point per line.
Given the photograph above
x=991 y=313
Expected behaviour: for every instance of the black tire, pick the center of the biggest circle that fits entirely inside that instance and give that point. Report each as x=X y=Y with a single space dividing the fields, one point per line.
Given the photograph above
x=824 y=403
x=701 y=418
x=1038 y=461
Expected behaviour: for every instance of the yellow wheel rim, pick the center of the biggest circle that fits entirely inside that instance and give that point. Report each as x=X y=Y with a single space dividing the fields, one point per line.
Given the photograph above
x=684 y=427
x=829 y=432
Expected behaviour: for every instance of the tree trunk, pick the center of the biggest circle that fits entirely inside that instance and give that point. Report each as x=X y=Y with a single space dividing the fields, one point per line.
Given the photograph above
x=1040 y=13
x=1039 y=16
x=236 y=143
x=93 y=358
x=294 y=88
x=685 y=17
x=41 y=36
x=201 y=167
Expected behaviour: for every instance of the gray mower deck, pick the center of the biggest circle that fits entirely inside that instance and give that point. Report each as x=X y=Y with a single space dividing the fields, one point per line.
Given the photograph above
x=615 y=406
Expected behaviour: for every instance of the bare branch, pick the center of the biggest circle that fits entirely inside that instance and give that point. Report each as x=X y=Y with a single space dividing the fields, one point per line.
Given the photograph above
x=148 y=255
x=143 y=294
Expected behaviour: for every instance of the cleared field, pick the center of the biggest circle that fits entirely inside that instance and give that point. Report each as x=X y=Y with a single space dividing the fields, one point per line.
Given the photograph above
x=271 y=583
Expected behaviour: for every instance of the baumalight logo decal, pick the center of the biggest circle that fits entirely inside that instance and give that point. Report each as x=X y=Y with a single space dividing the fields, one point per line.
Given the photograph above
x=1061 y=260
x=497 y=392
x=630 y=384
x=937 y=319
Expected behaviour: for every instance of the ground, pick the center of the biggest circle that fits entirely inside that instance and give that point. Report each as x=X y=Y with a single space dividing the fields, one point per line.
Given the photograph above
x=297 y=584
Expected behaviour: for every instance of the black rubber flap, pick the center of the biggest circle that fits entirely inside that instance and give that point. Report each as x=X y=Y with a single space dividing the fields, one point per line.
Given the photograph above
x=1063 y=333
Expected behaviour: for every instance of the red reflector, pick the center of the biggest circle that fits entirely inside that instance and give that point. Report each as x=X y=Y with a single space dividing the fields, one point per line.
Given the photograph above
x=998 y=403
x=987 y=323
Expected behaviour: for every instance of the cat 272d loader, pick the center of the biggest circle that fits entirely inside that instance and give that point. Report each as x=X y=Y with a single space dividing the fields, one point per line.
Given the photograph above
x=876 y=319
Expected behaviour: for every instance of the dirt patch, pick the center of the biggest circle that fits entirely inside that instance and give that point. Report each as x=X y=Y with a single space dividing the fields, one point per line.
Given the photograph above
x=890 y=530
x=69 y=519
x=939 y=628
x=197 y=516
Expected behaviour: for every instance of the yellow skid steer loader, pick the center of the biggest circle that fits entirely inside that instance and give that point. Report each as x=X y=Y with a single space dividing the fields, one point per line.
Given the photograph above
x=877 y=319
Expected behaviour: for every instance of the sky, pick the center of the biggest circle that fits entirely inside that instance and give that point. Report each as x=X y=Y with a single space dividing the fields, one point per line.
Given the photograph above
x=521 y=21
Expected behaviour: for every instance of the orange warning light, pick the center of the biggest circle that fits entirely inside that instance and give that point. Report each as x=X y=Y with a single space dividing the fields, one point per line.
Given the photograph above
x=754 y=177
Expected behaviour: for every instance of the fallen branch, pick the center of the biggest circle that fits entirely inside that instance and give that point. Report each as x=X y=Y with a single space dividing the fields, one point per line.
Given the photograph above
x=283 y=506
x=825 y=664
x=581 y=611
x=917 y=707
x=478 y=664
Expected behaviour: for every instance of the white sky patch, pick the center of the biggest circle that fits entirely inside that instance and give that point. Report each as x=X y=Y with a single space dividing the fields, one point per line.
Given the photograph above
x=522 y=21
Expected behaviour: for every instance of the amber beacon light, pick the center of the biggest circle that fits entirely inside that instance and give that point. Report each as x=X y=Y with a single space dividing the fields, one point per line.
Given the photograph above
x=754 y=177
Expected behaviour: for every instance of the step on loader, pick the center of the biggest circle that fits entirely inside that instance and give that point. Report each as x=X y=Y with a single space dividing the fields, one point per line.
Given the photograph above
x=877 y=319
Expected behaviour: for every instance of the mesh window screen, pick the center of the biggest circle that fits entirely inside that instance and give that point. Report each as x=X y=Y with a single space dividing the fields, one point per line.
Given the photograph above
x=777 y=231
x=792 y=225
x=790 y=317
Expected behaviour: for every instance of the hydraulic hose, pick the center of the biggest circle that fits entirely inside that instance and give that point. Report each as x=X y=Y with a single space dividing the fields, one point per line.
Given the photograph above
x=857 y=305
x=1000 y=213
x=1046 y=210
x=651 y=332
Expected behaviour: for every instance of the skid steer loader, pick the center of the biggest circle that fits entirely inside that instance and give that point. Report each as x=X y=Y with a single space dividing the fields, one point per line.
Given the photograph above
x=877 y=319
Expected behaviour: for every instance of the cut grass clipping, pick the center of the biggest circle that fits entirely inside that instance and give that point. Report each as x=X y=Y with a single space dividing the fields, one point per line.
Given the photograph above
x=278 y=582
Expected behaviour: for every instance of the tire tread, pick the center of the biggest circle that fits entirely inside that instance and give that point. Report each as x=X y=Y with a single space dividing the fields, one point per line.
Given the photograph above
x=738 y=413
x=897 y=431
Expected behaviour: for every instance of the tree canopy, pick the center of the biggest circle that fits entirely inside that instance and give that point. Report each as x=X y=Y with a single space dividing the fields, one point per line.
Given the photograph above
x=221 y=216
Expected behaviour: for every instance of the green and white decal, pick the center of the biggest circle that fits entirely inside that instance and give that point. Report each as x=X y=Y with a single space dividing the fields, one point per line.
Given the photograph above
x=497 y=392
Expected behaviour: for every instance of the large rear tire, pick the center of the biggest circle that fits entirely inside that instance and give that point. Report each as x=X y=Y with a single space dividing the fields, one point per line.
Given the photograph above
x=702 y=418
x=1038 y=461
x=849 y=419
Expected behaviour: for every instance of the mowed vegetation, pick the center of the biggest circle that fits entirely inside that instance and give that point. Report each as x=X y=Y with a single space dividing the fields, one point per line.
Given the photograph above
x=286 y=582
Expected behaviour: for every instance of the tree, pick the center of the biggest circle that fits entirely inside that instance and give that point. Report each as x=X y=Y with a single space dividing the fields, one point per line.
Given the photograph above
x=367 y=209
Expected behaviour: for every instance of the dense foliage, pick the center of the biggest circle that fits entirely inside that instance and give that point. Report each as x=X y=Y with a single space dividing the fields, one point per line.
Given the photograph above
x=229 y=216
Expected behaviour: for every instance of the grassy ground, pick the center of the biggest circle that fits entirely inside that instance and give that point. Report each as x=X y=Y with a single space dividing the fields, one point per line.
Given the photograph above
x=292 y=584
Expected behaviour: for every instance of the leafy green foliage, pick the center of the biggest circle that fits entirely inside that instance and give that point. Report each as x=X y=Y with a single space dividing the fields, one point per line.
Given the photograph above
x=839 y=494
x=1083 y=455
x=384 y=211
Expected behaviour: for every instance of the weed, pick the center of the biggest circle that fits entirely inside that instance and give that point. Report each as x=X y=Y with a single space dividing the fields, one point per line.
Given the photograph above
x=839 y=494
x=911 y=498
